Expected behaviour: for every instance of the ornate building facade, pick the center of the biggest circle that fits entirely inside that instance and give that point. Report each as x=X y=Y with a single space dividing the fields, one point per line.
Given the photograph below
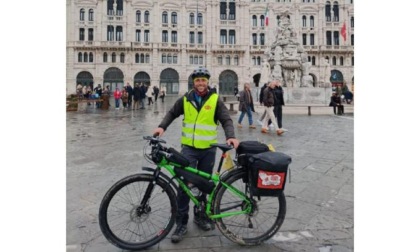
x=113 y=42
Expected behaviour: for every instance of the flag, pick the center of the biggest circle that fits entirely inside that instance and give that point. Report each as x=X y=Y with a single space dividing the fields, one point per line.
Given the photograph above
x=228 y=164
x=343 y=31
x=266 y=16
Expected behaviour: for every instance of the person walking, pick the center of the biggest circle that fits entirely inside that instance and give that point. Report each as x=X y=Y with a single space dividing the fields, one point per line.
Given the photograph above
x=202 y=110
x=162 y=93
x=129 y=90
x=278 y=105
x=143 y=90
x=149 y=95
x=136 y=96
x=155 y=92
x=268 y=101
x=105 y=98
x=124 y=98
x=246 y=105
x=117 y=97
x=98 y=91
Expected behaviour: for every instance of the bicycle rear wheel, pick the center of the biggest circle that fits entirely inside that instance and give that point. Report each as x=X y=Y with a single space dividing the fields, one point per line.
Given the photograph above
x=263 y=221
x=130 y=225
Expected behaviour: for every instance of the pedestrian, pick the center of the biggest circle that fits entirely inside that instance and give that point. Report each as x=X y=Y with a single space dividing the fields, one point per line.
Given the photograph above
x=105 y=98
x=149 y=95
x=202 y=111
x=235 y=92
x=260 y=98
x=98 y=91
x=124 y=98
x=117 y=97
x=143 y=90
x=155 y=92
x=268 y=101
x=136 y=96
x=162 y=93
x=129 y=90
x=246 y=105
x=278 y=105
x=336 y=102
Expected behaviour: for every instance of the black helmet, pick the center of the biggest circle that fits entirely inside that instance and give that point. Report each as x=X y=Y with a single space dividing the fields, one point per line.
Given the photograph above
x=200 y=72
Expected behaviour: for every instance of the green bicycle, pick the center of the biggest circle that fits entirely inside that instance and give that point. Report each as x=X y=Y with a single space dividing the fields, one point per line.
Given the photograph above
x=139 y=210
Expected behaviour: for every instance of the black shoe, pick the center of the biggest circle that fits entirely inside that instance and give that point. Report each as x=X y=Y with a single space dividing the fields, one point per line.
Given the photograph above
x=203 y=223
x=180 y=231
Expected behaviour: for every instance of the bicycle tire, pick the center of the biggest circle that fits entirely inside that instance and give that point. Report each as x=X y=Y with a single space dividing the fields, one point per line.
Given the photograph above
x=121 y=219
x=266 y=217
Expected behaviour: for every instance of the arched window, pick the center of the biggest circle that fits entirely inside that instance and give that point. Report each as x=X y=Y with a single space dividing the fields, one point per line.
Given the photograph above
x=147 y=58
x=313 y=61
x=304 y=21
x=254 y=20
x=164 y=58
x=334 y=61
x=90 y=15
x=191 y=60
x=232 y=37
x=254 y=60
x=169 y=59
x=142 y=58
x=262 y=20
x=304 y=39
x=236 y=60
x=262 y=39
x=254 y=39
x=80 y=57
x=146 y=17
x=352 y=39
x=82 y=15
x=220 y=60
x=137 y=58
x=122 y=58
x=278 y=20
x=228 y=60
x=335 y=10
x=311 y=21
x=352 y=22
x=85 y=57
x=200 y=60
x=105 y=57
x=164 y=17
x=352 y=61
x=138 y=16
x=200 y=19
x=175 y=59
x=90 y=57
x=328 y=11
x=82 y=34
x=259 y=61
x=114 y=57
x=192 y=18
x=341 y=61
x=174 y=18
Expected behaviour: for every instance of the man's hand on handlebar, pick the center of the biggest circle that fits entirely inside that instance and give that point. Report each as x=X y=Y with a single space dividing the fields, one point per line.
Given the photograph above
x=233 y=141
x=158 y=132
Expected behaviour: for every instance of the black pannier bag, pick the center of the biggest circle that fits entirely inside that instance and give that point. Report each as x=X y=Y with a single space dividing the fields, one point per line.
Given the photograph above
x=249 y=147
x=267 y=173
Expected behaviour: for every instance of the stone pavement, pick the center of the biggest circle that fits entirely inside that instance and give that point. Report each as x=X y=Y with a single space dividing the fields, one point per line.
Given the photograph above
x=105 y=146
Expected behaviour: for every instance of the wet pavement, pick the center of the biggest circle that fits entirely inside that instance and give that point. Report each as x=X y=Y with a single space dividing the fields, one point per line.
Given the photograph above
x=105 y=146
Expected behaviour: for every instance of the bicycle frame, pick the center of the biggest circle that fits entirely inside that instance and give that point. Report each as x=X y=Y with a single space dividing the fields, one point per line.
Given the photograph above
x=170 y=167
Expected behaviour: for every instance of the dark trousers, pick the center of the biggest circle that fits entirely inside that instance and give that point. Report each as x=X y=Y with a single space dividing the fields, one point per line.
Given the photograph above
x=340 y=109
x=278 y=113
x=203 y=160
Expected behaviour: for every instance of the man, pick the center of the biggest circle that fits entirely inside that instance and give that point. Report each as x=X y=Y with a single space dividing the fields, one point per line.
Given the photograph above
x=129 y=90
x=98 y=91
x=278 y=105
x=155 y=92
x=268 y=101
x=336 y=102
x=246 y=105
x=202 y=110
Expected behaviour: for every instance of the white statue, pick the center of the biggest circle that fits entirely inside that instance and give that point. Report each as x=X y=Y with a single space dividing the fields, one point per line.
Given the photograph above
x=265 y=72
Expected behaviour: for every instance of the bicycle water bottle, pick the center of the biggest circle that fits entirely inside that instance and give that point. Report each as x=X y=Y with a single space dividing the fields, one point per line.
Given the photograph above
x=195 y=191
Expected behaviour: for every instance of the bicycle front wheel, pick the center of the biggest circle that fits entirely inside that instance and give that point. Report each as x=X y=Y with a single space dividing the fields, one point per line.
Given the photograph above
x=264 y=219
x=130 y=222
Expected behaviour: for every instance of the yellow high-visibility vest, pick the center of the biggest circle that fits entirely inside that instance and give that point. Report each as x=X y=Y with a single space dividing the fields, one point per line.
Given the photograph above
x=198 y=128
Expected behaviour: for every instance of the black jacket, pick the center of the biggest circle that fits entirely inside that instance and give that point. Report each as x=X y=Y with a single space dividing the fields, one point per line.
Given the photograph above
x=278 y=96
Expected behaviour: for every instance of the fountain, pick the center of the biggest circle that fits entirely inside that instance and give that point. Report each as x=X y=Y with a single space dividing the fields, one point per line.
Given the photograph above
x=288 y=62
